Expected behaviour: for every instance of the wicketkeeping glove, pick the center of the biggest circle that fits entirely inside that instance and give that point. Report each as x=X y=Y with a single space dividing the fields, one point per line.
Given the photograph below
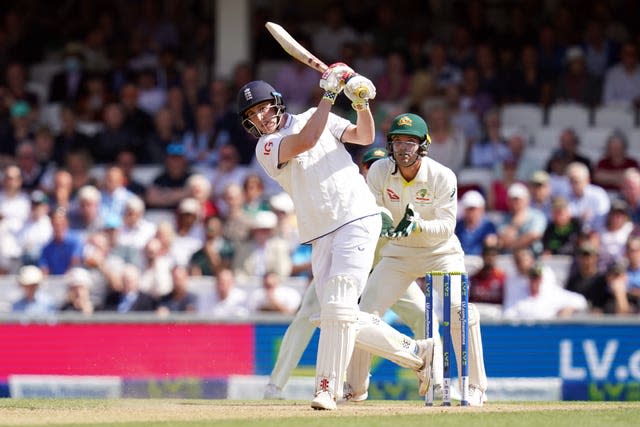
x=410 y=223
x=359 y=90
x=387 y=223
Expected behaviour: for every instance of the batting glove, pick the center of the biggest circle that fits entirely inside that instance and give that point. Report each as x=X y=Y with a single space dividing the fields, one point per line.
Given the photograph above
x=410 y=223
x=334 y=79
x=359 y=90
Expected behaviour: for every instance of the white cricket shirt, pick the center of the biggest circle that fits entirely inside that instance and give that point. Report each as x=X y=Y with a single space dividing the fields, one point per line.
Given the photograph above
x=323 y=182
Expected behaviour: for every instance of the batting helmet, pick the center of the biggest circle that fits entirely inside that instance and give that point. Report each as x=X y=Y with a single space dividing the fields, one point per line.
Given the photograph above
x=252 y=94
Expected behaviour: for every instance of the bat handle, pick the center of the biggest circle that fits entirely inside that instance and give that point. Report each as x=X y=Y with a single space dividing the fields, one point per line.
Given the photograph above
x=362 y=92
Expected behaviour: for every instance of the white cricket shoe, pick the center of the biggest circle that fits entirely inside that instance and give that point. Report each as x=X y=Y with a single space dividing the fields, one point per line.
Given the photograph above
x=477 y=397
x=349 y=396
x=324 y=400
x=425 y=352
x=272 y=391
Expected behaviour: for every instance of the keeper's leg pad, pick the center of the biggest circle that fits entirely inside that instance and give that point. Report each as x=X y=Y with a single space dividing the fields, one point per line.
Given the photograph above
x=477 y=373
x=338 y=316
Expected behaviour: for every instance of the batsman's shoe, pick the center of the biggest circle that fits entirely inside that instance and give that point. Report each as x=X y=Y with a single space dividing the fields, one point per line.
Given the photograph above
x=272 y=391
x=324 y=400
x=477 y=397
x=425 y=352
x=350 y=396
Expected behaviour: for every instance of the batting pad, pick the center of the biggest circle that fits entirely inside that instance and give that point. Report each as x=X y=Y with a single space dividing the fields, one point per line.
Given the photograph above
x=338 y=316
x=477 y=374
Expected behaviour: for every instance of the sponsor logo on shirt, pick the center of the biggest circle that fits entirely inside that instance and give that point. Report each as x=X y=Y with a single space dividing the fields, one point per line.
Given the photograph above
x=392 y=195
x=423 y=197
x=267 y=148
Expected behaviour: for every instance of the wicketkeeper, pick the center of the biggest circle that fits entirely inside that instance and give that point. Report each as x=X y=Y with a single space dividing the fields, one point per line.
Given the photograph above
x=421 y=193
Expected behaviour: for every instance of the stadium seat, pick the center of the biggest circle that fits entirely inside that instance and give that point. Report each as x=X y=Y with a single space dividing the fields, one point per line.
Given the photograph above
x=476 y=178
x=527 y=116
x=634 y=142
x=614 y=117
x=547 y=137
x=569 y=115
x=593 y=141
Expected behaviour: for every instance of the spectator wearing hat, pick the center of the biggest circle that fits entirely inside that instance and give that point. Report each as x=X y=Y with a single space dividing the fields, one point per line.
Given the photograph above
x=180 y=299
x=561 y=235
x=273 y=296
x=263 y=251
x=189 y=230
x=32 y=302
x=608 y=172
x=540 y=190
x=66 y=86
x=587 y=201
x=489 y=281
x=618 y=227
x=546 y=300
x=576 y=84
x=64 y=250
x=136 y=230
x=169 y=187
x=78 y=298
x=523 y=226
x=216 y=252
x=37 y=230
x=474 y=226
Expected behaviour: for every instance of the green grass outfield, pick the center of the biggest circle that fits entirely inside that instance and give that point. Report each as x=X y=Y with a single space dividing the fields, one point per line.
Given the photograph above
x=189 y=412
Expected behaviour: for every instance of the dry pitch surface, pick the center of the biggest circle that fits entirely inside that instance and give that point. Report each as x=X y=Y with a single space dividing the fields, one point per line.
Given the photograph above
x=168 y=411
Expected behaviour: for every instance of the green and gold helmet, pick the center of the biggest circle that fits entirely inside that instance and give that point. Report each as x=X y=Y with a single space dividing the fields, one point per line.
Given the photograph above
x=413 y=125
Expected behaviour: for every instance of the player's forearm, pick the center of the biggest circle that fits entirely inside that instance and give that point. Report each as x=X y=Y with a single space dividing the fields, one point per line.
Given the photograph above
x=364 y=132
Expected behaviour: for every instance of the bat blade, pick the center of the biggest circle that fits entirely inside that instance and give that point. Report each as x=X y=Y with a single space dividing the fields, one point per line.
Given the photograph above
x=293 y=48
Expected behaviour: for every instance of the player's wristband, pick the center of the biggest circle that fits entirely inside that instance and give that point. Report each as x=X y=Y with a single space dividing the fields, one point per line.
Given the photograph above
x=330 y=96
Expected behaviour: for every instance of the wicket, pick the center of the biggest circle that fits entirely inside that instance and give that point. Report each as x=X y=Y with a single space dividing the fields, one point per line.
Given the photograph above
x=446 y=336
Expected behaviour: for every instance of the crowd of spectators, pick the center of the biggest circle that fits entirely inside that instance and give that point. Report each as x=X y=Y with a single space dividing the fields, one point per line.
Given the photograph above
x=134 y=88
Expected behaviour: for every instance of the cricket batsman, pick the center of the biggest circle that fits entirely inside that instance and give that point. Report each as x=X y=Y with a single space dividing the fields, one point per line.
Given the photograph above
x=422 y=194
x=336 y=213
